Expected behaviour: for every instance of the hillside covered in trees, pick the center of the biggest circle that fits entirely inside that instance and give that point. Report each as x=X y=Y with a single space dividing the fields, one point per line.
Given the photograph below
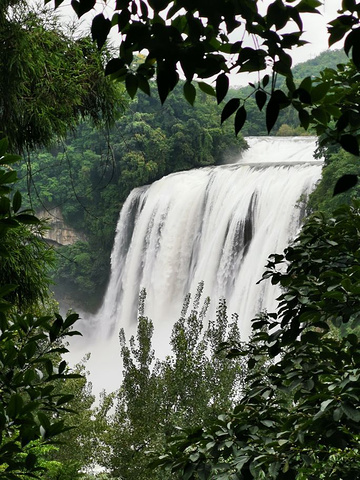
x=90 y=174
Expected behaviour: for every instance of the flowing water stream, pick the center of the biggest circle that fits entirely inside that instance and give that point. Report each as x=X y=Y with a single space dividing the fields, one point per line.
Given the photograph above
x=215 y=224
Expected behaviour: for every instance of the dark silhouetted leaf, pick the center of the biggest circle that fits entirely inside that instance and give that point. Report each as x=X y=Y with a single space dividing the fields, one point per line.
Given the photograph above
x=281 y=98
x=30 y=461
x=240 y=119
x=189 y=92
x=277 y=14
x=290 y=84
x=44 y=420
x=64 y=399
x=8 y=177
x=27 y=219
x=230 y=108
x=131 y=83
x=308 y=6
x=351 y=412
x=349 y=5
x=100 y=29
x=114 y=65
x=260 y=97
x=83 y=6
x=9 y=158
x=303 y=95
x=4 y=143
x=356 y=48
x=338 y=28
x=319 y=92
x=206 y=88
x=167 y=79
x=15 y=405
x=121 y=4
x=272 y=113
x=321 y=115
x=304 y=118
x=343 y=122
x=17 y=199
x=144 y=85
x=350 y=144
x=4 y=290
x=222 y=87
x=122 y=19
x=344 y=183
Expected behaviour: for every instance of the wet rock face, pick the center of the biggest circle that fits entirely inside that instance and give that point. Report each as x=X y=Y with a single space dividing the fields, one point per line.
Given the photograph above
x=59 y=232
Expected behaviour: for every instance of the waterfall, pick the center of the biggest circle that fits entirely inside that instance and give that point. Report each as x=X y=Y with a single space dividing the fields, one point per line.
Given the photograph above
x=215 y=224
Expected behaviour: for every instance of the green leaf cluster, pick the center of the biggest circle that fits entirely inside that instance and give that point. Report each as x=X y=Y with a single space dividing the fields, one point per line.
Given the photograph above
x=196 y=39
x=30 y=344
x=200 y=42
x=49 y=78
x=160 y=398
x=254 y=97
x=299 y=418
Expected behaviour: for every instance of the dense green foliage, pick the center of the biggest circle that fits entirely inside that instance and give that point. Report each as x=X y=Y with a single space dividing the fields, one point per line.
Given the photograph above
x=39 y=65
x=337 y=164
x=301 y=419
x=158 y=397
x=91 y=175
x=48 y=82
x=26 y=262
x=255 y=120
x=48 y=79
x=202 y=41
x=79 y=449
x=30 y=344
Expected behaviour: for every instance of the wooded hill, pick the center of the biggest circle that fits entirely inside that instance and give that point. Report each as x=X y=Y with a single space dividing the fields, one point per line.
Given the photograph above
x=90 y=175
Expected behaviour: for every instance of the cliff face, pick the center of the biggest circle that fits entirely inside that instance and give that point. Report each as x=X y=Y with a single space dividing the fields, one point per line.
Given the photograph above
x=59 y=232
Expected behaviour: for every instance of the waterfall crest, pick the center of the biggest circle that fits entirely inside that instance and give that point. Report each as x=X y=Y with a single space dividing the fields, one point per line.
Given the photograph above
x=215 y=224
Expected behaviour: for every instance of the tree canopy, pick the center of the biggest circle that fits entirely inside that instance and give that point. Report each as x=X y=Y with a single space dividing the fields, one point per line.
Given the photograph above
x=30 y=344
x=49 y=79
x=156 y=397
x=298 y=417
x=208 y=40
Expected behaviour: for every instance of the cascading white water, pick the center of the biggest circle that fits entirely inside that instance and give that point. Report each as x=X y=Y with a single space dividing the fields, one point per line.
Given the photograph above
x=214 y=224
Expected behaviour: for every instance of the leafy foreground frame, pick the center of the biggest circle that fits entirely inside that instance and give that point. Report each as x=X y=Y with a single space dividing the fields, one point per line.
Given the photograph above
x=32 y=373
x=301 y=420
x=206 y=41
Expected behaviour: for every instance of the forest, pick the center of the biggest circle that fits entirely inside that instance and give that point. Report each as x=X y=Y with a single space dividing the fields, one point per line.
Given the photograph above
x=90 y=175
x=282 y=405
